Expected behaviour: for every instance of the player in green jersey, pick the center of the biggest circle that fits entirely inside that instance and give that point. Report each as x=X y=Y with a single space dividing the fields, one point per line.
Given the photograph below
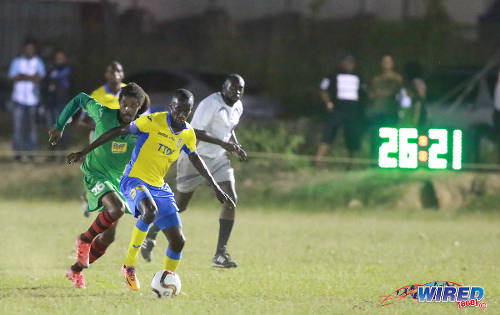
x=102 y=170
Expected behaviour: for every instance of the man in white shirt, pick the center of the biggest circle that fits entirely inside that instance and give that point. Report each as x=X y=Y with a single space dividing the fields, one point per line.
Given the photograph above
x=214 y=122
x=26 y=71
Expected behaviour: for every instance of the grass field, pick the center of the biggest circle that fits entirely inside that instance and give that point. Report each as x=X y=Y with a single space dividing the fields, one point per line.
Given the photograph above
x=290 y=262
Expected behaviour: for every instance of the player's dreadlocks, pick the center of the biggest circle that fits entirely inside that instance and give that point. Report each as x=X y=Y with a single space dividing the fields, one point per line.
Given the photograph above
x=134 y=90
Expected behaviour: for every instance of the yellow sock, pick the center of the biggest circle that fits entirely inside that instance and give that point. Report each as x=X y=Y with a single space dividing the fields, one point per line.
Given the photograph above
x=138 y=237
x=171 y=264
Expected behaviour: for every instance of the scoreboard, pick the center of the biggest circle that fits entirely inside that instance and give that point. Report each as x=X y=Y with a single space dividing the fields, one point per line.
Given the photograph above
x=412 y=148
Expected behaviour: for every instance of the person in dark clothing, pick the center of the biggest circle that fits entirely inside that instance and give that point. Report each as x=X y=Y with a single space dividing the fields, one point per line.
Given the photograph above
x=58 y=84
x=342 y=93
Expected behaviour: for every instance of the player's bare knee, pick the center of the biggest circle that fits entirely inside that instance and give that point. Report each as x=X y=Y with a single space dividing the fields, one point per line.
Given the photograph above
x=177 y=243
x=149 y=210
x=116 y=209
x=230 y=208
x=107 y=238
x=234 y=197
x=149 y=214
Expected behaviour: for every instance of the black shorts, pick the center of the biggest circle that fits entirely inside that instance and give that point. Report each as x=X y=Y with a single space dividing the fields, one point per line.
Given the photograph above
x=349 y=117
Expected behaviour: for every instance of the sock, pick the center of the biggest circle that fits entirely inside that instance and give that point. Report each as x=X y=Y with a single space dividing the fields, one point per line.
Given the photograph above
x=172 y=259
x=101 y=224
x=138 y=235
x=97 y=249
x=225 y=227
x=76 y=267
x=153 y=231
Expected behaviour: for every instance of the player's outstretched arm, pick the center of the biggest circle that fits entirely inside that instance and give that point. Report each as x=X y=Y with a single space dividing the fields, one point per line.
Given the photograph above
x=78 y=102
x=200 y=165
x=105 y=137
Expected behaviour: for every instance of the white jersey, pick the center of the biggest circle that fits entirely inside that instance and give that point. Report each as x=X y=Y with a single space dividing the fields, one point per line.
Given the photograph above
x=26 y=92
x=218 y=120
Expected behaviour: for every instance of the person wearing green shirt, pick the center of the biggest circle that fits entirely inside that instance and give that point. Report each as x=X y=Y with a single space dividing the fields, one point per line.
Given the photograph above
x=102 y=170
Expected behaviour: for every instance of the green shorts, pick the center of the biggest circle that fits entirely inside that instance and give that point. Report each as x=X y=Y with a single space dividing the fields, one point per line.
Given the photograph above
x=96 y=186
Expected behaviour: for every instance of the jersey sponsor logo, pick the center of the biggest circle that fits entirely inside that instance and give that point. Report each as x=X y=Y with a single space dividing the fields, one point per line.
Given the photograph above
x=118 y=147
x=136 y=246
x=179 y=142
x=166 y=136
x=164 y=149
x=98 y=188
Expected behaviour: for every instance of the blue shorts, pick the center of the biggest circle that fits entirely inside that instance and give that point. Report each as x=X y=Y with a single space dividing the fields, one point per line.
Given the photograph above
x=134 y=190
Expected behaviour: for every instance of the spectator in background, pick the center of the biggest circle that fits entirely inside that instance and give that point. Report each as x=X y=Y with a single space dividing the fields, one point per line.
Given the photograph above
x=496 y=116
x=341 y=92
x=57 y=87
x=106 y=94
x=26 y=71
x=412 y=96
x=384 y=103
x=383 y=91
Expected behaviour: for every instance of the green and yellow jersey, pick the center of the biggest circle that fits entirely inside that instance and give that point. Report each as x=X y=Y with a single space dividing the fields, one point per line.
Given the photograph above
x=158 y=147
x=110 y=159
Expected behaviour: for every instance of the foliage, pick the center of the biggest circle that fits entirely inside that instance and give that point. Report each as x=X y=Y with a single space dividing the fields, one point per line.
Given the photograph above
x=271 y=137
x=274 y=137
x=285 y=56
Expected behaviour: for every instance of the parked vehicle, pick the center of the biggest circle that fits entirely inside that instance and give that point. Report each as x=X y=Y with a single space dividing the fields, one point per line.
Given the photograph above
x=160 y=83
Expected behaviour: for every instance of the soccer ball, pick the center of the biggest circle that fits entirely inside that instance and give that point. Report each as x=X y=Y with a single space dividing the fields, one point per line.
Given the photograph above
x=166 y=284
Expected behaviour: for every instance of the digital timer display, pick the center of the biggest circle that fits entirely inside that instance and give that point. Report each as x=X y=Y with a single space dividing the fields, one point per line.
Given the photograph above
x=411 y=148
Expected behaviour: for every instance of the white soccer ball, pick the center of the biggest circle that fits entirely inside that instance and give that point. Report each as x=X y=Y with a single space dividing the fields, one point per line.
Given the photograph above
x=166 y=284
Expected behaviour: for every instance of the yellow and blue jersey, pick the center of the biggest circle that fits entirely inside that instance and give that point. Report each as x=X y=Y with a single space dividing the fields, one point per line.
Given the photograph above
x=158 y=147
x=106 y=97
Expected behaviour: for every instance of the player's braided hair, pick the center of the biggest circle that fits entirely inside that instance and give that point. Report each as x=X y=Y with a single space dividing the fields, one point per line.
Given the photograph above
x=134 y=90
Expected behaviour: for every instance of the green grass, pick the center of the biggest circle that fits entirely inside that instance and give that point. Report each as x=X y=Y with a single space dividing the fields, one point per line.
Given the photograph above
x=290 y=262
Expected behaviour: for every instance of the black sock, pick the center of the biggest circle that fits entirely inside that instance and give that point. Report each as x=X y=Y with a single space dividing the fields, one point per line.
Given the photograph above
x=76 y=268
x=224 y=232
x=153 y=231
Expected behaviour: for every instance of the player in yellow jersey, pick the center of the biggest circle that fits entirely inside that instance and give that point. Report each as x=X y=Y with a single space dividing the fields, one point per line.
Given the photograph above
x=161 y=137
x=107 y=94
